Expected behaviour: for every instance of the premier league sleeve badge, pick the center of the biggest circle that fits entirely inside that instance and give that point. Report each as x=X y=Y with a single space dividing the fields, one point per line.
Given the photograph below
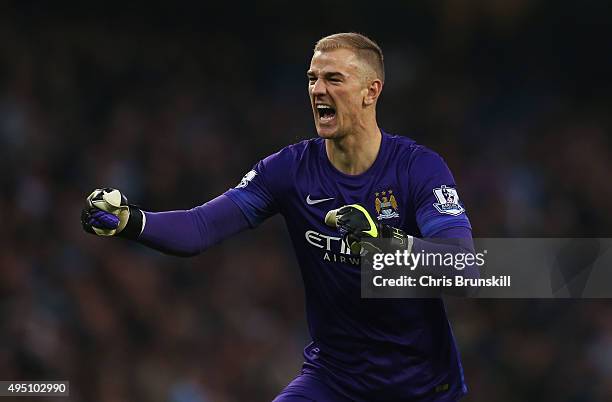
x=448 y=201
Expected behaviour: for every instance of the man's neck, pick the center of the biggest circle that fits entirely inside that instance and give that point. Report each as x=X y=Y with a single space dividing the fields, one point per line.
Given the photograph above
x=354 y=154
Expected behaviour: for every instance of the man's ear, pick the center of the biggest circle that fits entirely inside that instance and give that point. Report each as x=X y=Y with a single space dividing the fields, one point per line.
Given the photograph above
x=374 y=89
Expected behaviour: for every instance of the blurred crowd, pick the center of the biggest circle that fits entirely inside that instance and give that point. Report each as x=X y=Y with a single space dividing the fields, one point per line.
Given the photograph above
x=173 y=104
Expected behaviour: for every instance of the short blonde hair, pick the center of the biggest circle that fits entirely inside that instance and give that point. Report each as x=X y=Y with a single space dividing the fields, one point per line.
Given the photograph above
x=365 y=48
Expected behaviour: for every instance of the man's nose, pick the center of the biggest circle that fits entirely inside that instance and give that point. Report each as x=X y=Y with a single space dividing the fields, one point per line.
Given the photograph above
x=319 y=88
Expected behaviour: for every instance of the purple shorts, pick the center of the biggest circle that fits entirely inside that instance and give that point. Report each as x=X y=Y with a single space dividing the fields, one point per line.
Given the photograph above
x=306 y=387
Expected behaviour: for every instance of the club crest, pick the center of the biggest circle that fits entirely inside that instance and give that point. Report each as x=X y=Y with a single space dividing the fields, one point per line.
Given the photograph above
x=448 y=201
x=386 y=205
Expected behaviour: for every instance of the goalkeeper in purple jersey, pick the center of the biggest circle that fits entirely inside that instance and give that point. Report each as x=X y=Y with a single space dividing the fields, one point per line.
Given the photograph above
x=369 y=184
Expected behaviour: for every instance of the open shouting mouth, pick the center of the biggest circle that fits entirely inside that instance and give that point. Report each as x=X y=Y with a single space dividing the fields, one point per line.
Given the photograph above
x=326 y=113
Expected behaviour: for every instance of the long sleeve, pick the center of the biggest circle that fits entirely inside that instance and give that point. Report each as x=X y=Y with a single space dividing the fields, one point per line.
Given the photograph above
x=190 y=232
x=457 y=240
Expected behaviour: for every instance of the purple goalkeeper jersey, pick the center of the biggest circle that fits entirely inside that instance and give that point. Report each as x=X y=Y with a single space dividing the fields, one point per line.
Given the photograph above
x=365 y=349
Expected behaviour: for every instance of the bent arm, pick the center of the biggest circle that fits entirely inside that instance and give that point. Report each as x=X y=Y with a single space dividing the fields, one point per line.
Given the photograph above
x=190 y=232
x=454 y=240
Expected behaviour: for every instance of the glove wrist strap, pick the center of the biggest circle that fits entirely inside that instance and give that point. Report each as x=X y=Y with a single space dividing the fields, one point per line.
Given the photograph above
x=133 y=228
x=397 y=238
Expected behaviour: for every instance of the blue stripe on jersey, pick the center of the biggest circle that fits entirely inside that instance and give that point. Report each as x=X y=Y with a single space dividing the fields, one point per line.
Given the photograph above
x=435 y=224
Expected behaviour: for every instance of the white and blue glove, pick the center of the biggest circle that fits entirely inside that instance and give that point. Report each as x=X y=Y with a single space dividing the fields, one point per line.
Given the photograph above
x=107 y=213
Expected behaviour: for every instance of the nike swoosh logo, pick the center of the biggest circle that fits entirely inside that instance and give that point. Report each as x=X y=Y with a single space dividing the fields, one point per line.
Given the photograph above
x=310 y=201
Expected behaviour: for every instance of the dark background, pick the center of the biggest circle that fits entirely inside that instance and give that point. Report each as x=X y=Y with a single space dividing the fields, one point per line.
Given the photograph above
x=174 y=103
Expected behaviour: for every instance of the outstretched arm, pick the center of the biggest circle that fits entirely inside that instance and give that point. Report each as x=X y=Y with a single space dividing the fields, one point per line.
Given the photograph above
x=188 y=233
x=182 y=233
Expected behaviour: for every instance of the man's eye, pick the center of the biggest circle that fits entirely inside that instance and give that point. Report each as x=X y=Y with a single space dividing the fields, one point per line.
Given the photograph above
x=311 y=80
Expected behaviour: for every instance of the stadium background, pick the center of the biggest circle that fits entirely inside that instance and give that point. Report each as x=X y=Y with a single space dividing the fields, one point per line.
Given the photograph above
x=173 y=104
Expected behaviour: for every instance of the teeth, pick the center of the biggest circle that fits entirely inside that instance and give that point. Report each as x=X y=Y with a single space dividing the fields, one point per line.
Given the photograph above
x=326 y=112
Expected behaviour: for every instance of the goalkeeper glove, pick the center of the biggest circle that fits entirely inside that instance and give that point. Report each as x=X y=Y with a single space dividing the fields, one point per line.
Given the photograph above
x=361 y=230
x=108 y=213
